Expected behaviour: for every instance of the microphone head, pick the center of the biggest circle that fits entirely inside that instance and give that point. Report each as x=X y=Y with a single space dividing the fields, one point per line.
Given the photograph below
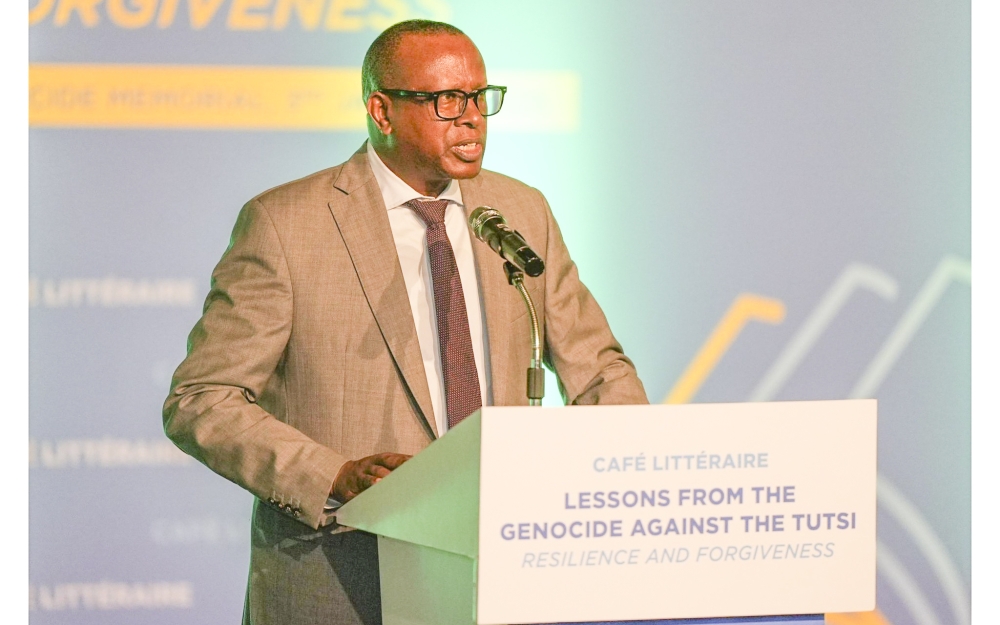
x=533 y=265
x=480 y=216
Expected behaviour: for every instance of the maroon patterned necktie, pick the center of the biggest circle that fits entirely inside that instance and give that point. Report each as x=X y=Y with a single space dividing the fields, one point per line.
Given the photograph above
x=458 y=363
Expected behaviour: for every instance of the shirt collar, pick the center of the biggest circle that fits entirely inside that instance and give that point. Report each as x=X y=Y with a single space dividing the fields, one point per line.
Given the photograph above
x=395 y=192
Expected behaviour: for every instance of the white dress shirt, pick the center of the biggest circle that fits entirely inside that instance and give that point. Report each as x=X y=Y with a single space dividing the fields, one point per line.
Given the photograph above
x=410 y=236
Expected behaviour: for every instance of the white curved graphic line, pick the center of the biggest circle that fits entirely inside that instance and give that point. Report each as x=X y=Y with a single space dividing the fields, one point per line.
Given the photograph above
x=905 y=586
x=950 y=269
x=852 y=278
x=907 y=514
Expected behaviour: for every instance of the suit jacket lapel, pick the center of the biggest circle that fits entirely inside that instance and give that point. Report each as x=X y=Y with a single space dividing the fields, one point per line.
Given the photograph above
x=364 y=224
x=496 y=295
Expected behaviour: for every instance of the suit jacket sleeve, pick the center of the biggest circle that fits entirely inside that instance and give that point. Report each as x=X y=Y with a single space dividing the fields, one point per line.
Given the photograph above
x=579 y=345
x=234 y=352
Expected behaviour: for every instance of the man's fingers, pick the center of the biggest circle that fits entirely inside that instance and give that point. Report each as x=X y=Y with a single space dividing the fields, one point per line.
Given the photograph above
x=392 y=461
x=363 y=482
x=359 y=475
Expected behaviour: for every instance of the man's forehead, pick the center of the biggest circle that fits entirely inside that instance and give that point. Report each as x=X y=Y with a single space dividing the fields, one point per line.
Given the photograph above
x=434 y=57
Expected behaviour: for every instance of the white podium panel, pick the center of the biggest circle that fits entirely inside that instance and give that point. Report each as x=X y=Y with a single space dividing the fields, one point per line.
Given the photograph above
x=652 y=512
x=630 y=513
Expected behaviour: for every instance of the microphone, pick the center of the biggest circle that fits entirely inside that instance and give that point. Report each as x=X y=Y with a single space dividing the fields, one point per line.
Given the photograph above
x=491 y=228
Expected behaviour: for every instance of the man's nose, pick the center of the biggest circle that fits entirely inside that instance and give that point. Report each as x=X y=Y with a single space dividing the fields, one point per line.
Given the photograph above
x=471 y=117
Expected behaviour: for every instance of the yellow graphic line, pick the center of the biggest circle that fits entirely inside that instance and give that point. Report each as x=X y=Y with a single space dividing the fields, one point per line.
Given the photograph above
x=746 y=307
x=79 y=95
x=857 y=618
x=176 y=96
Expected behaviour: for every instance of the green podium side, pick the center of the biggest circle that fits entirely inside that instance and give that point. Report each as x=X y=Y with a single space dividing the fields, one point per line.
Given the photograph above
x=426 y=517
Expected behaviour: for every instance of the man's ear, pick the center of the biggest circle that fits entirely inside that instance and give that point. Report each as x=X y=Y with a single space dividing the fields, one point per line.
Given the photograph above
x=379 y=109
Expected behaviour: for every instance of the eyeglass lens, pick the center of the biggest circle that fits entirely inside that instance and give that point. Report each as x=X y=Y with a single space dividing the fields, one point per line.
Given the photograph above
x=451 y=104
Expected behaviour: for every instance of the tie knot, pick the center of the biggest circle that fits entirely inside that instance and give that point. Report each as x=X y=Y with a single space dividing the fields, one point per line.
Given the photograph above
x=431 y=211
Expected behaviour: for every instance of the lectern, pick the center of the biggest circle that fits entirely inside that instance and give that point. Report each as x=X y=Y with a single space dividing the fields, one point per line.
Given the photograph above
x=631 y=513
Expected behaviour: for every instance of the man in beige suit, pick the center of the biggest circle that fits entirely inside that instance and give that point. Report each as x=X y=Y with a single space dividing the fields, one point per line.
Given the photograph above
x=315 y=369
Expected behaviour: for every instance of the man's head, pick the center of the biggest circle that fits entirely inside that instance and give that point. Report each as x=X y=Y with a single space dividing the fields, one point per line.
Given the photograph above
x=420 y=147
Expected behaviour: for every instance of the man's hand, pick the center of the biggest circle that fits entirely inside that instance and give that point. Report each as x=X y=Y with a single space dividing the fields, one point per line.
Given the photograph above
x=357 y=475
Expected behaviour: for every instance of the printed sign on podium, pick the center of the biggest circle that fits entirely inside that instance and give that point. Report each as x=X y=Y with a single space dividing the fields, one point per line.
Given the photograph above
x=626 y=513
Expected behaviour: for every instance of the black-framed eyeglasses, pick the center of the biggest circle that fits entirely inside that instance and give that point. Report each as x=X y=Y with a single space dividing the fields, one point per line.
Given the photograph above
x=451 y=103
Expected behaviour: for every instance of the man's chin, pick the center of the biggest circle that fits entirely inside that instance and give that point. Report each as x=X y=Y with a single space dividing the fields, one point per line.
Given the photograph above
x=463 y=171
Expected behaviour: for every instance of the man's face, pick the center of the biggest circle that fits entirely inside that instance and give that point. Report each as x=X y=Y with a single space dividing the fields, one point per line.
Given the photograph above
x=425 y=147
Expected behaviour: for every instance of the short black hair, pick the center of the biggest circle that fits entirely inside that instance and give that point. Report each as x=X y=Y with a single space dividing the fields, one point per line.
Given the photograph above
x=380 y=54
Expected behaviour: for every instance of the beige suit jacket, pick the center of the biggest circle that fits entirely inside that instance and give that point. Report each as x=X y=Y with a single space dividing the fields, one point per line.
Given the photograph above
x=307 y=354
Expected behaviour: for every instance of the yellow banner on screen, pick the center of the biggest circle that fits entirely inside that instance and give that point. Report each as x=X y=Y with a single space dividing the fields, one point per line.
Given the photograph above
x=263 y=98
